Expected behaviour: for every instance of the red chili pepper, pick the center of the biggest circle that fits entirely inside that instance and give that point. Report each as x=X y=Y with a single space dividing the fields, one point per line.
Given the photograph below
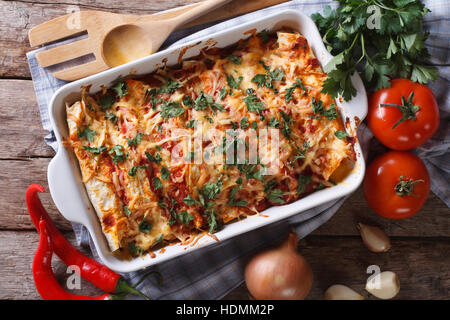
x=91 y=270
x=46 y=283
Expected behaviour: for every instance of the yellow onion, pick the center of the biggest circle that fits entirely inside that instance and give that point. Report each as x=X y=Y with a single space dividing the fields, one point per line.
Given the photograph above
x=279 y=273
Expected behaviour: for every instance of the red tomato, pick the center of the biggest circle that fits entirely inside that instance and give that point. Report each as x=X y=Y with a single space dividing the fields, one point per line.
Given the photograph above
x=396 y=185
x=411 y=118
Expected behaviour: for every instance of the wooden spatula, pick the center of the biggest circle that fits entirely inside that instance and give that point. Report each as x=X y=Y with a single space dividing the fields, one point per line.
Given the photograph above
x=114 y=39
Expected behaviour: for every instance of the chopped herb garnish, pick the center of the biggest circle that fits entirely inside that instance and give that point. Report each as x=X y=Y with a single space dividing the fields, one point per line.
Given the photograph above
x=95 y=151
x=185 y=217
x=155 y=159
x=233 y=202
x=341 y=134
x=254 y=104
x=276 y=196
x=157 y=184
x=117 y=153
x=87 y=133
x=210 y=120
x=212 y=189
x=232 y=83
x=260 y=80
x=189 y=200
x=204 y=101
x=270 y=185
x=170 y=87
x=165 y=173
x=171 y=109
x=274 y=123
x=145 y=227
x=222 y=93
x=161 y=203
x=288 y=121
x=121 y=88
x=106 y=102
x=187 y=101
x=126 y=210
x=303 y=181
x=234 y=59
x=111 y=116
x=266 y=67
x=135 y=250
x=191 y=123
x=290 y=90
x=132 y=172
x=244 y=123
x=264 y=35
x=135 y=141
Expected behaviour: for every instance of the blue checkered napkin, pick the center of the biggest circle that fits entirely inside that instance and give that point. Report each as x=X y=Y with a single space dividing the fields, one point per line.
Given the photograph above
x=212 y=272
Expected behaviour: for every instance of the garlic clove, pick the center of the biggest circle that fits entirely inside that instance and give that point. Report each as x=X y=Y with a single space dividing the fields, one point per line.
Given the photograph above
x=341 y=292
x=374 y=238
x=384 y=285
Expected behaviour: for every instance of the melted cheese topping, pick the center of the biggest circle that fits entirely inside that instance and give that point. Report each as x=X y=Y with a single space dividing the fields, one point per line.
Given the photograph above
x=134 y=141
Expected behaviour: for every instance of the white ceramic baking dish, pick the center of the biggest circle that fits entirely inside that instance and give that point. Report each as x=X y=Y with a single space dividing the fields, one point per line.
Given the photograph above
x=64 y=177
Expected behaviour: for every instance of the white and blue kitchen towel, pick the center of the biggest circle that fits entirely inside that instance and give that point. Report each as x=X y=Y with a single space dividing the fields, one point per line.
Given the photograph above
x=212 y=272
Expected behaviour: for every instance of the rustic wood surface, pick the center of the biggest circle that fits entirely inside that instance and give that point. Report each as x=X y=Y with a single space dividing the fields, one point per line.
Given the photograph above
x=420 y=252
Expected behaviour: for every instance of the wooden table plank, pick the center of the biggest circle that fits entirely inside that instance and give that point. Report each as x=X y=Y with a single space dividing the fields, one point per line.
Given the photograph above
x=23 y=135
x=421 y=264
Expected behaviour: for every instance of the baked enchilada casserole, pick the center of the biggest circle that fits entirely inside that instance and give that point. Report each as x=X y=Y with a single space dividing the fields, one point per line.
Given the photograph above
x=161 y=154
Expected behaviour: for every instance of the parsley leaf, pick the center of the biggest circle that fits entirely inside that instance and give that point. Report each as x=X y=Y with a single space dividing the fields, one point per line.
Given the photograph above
x=95 y=151
x=185 y=217
x=395 y=48
x=234 y=59
x=165 y=173
x=155 y=159
x=244 y=123
x=276 y=196
x=135 y=141
x=86 y=133
x=254 y=104
x=121 y=88
x=341 y=134
x=157 y=184
x=232 y=83
x=145 y=227
x=126 y=210
x=111 y=116
x=132 y=172
x=170 y=87
x=189 y=200
x=290 y=90
x=171 y=109
x=264 y=35
x=303 y=181
x=118 y=154
x=106 y=102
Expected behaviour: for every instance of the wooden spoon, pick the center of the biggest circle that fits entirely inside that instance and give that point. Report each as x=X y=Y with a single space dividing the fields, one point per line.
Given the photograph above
x=114 y=39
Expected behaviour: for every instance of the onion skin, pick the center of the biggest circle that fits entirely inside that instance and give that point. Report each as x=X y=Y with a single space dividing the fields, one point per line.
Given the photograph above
x=280 y=273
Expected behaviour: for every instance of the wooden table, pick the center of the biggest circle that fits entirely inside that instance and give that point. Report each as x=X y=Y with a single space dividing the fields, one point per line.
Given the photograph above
x=420 y=252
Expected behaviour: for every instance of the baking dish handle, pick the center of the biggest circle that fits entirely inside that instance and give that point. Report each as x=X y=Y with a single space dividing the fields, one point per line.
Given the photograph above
x=62 y=182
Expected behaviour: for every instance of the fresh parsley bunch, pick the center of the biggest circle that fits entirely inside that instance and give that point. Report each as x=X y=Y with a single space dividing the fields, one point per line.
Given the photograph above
x=379 y=46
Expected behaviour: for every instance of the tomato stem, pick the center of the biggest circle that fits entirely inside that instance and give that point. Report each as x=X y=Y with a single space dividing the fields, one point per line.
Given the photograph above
x=406 y=187
x=408 y=109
